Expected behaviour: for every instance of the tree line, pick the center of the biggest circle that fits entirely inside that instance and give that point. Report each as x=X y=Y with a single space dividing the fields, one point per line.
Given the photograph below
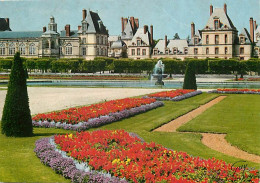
x=125 y=65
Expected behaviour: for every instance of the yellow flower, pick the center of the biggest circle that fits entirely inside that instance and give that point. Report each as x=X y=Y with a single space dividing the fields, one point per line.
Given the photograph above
x=70 y=135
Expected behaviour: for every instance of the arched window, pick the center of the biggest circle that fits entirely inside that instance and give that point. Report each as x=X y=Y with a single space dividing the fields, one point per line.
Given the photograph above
x=11 y=49
x=32 y=49
x=2 y=49
x=22 y=49
x=68 y=49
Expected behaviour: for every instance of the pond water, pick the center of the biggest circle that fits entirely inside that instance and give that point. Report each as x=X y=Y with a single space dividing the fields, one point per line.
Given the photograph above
x=143 y=84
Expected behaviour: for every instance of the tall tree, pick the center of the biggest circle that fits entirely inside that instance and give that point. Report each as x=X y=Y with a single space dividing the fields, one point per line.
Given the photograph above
x=190 y=78
x=16 y=119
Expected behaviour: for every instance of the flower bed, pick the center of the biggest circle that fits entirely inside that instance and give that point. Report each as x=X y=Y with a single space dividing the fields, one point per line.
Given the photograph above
x=236 y=91
x=174 y=95
x=118 y=154
x=95 y=115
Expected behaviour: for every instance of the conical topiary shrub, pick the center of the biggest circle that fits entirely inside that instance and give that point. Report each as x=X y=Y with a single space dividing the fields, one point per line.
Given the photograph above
x=16 y=119
x=190 y=78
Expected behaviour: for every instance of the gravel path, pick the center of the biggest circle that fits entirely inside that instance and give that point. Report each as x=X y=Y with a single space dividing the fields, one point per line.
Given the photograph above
x=46 y=99
x=173 y=125
x=216 y=142
x=219 y=143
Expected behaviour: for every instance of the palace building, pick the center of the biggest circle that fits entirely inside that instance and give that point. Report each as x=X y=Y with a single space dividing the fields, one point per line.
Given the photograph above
x=90 y=40
x=218 y=39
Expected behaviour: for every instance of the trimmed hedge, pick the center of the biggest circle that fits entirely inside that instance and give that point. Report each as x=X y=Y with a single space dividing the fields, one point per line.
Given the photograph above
x=126 y=65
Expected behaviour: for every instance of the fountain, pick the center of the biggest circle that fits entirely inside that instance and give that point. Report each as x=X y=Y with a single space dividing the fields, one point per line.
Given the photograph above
x=158 y=73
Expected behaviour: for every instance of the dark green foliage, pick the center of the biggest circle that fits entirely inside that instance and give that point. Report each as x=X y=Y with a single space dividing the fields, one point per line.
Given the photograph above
x=190 y=78
x=16 y=119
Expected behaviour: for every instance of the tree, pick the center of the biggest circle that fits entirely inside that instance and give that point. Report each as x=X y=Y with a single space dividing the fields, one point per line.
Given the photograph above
x=16 y=119
x=190 y=78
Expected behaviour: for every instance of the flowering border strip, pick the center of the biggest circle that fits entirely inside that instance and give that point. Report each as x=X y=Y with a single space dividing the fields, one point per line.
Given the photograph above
x=46 y=150
x=102 y=120
x=178 y=98
x=236 y=91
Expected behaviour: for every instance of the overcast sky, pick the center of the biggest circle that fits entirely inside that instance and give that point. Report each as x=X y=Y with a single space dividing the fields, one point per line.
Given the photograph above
x=167 y=16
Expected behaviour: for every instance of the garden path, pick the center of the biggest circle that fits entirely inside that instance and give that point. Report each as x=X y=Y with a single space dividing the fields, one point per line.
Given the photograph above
x=216 y=142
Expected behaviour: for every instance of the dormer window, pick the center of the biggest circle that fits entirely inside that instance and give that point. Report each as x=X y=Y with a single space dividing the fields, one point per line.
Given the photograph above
x=155 y=52
x=174 y=51
x=138 y=42
x=166 y=52
x=186 y=51
x=216 y=23
x=196 y=40
x=242 y=39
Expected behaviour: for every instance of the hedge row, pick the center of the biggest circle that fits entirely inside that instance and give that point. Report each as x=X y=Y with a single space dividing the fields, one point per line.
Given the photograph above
x=172 y=66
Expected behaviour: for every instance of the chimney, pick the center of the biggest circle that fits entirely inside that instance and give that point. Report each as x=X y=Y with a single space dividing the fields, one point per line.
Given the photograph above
x=132 y=20
x=145 y=29
x=67 y=28
x=192 y=30
x=84 y=14
x=123 y=25
x=255 y=25
x=251 y=21
x=165 y=42
x=125 y=21
x=211 y=9
x=44 y=29
x=225 y=8
x=7 y=21
x=151 y=31
x=137 y=22
x=79 y=27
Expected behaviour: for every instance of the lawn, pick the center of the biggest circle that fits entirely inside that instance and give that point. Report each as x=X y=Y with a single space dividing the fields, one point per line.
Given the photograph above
x=18 y=162
x=237 y=116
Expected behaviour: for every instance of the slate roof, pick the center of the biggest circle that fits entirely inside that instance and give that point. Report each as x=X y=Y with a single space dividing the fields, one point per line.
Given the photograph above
x=3 y=25
x=113 y=38
x=128 y=32
x=246 y=34
x=180 y=44
x=223 y=18
x=140 y=34
x=118 y=44
x=20 y=34
x=73 y=33
x=95 y=25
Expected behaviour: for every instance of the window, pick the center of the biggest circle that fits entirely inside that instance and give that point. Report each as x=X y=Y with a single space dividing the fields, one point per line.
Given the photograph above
x=242 y=39
x=195 y=40
x=216 y=39
x=11 y=49
x=242 y=58
x=84 y=26
x=226 y=50
x=166 y=52
x=216 y=24
x=138 y=42
x=2 y=49
x=105 y=40
x=144 y=51
x=84 y=41
x=46 y=44
x=52 y=45
x=97 y=40
x=155 y=52
x=68 y=49
x=174 y=51
x=61 y=52
x=133 y=51
x=32 y=49
x=186 y=51
x=22 y=49
x=101 y=39
x=216 y=51
x=207 y=39
x=84 y=51
x=207 y=51
x=226 y=41
x=97 y=51
x=242 y=50
x=195 y=51
x=138 y=51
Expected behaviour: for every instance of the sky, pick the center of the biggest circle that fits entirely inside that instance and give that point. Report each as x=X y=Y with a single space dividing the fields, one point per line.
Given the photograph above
x=167 y=16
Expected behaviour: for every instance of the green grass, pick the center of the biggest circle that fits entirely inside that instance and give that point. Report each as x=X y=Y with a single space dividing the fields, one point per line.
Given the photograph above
x=238 y=116
x=18 y=162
